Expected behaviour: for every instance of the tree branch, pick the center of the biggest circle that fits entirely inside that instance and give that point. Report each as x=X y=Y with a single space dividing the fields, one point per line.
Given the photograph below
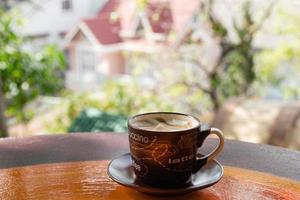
x=200 y=65
x=196 y=85
x=266 y=15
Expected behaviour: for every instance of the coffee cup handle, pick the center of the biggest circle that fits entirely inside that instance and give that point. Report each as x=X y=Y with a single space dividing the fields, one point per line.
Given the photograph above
x=202 y=160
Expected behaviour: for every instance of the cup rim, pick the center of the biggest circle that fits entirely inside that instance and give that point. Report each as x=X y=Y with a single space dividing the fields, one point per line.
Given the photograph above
x=165 y=132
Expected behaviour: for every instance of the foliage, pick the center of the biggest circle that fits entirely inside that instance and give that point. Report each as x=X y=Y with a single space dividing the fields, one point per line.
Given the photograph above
x=25 y=75
x=282 y=63
x=119 y=97
x=142 y=4
x=128 y=97
x=218 y=66
x=167 y=79
x=233 y=72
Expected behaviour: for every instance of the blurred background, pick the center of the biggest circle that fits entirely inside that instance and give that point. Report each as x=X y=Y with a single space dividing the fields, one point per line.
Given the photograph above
x=87 y=65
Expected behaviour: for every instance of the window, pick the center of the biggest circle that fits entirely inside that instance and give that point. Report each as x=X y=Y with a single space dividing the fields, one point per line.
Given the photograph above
x=66 y=5
x=86 y=59
x=67 y=58
x=140 y=28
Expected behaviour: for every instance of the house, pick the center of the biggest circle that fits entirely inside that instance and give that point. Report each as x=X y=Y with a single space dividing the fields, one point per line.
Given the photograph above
x=95 y=46
x=47 y=21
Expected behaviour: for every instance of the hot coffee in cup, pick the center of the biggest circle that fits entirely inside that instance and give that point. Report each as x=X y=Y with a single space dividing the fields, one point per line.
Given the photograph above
x=164 y=122
x=164 y=145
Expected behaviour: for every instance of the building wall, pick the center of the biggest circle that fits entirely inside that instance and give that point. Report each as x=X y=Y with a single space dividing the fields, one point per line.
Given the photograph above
x=49 y=17
x=71 y=57
x=112 y=64
x=109 y=62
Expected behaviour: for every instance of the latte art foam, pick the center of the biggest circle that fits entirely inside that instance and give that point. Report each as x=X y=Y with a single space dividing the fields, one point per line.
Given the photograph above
x=163 y=122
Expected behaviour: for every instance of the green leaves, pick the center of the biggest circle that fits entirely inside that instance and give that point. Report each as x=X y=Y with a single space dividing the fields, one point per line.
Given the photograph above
x=142 y=4
x=128 y=97
x=26 y=75
x=280 y=66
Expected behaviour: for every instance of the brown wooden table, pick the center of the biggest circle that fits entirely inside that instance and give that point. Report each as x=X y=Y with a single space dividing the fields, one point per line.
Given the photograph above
x=73 y=166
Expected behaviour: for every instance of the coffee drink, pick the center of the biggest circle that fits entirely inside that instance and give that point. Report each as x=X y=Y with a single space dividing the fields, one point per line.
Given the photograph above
x=164 y=145
x=164 y=122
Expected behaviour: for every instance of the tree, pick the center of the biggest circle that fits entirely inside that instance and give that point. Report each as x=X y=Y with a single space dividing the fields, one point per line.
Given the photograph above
x=233 y=72
x=24 y=75
x=283 y=62
x=233 y=69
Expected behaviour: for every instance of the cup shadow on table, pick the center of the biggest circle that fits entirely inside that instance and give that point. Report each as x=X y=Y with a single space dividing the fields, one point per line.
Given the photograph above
x=125 y=193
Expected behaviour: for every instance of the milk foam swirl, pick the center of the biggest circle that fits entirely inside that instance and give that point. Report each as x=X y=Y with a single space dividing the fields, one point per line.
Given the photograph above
x=164 y=122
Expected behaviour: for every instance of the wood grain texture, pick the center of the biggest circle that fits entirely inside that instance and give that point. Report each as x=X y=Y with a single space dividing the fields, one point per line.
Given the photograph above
x=88 y=180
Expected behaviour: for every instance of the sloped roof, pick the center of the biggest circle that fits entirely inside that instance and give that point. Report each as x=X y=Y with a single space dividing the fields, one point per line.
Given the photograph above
x=162 y=16
x=105 y=31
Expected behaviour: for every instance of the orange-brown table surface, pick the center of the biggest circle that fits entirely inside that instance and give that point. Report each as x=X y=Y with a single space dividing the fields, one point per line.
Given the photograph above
x=88 y=180
x=73 y=166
